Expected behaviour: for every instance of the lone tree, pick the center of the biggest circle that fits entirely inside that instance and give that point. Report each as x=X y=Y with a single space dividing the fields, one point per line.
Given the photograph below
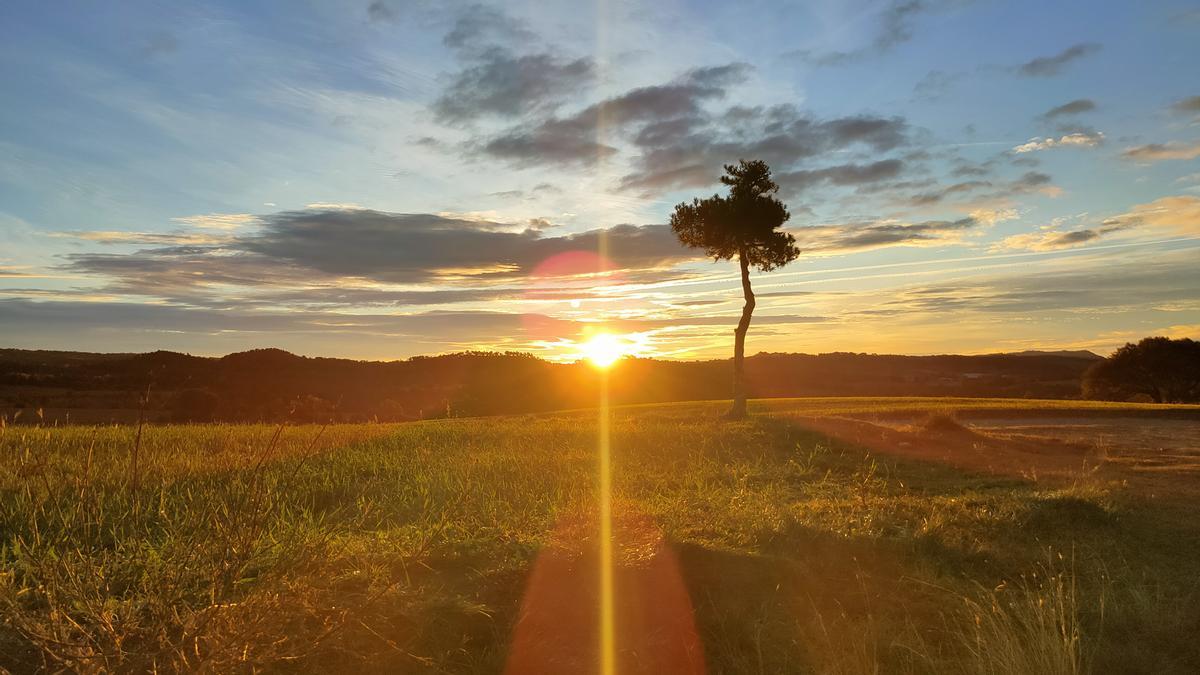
x=744 y=224
x=1165 y=370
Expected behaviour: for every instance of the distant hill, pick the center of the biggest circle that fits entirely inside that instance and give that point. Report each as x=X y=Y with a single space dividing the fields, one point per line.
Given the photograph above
x=272 y=384
x=1078 y=353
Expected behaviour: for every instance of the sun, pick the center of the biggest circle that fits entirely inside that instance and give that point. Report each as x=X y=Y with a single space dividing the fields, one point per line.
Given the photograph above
x=603 y=349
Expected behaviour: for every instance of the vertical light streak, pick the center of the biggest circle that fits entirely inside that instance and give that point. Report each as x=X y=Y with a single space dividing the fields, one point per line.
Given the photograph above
x=608 y=641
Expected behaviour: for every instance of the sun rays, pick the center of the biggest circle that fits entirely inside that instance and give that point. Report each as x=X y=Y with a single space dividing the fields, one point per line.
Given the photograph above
x=604 y=349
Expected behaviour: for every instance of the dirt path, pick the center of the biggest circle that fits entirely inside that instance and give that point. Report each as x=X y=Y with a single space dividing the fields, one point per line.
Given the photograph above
x=963 y=448
x=1157 y=459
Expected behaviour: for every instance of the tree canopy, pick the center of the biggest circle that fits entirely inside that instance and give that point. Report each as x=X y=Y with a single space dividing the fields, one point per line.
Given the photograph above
x=745 y=223
x=1165 y=370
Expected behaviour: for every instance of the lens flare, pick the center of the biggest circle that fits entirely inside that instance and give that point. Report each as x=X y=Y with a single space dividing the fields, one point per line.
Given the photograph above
x=608 y=631
x=603 y=349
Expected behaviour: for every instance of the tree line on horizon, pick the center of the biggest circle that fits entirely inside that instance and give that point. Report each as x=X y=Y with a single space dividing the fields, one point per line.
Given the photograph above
x=272 y=385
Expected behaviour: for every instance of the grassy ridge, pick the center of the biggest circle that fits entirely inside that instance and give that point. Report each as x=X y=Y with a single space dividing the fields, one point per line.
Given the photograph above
x=409 y=547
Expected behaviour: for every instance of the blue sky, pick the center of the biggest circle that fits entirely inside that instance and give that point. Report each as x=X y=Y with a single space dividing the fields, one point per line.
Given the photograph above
x=380 y=179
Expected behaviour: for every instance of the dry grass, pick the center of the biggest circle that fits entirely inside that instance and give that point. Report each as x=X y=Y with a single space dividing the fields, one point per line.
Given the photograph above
x=1031 y=625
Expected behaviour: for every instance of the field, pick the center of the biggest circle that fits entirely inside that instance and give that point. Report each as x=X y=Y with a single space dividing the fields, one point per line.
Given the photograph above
x=822 y=535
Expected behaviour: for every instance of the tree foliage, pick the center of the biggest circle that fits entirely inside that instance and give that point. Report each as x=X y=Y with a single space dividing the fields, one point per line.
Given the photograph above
x=1165 y=370
x=745 y=223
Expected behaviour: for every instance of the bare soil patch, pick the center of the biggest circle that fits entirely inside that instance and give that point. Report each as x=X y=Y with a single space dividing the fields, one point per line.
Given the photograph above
x=963 y=447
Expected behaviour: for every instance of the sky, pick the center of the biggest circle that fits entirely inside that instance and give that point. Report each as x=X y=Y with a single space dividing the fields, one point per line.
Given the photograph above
x=378 y=179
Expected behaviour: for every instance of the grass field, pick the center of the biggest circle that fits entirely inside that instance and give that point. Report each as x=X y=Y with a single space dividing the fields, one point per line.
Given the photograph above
x=822 y=535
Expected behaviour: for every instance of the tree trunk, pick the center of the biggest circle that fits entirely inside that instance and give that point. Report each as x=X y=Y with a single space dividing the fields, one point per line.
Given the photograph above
x=738 y=410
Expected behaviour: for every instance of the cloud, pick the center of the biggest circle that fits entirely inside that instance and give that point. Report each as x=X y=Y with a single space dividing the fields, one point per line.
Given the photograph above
x=674 y=138
x=399 y=247
x=482 y=27
x=991 y=216
x=140 y=326
x=218 y=221
x=896 y=23
x=1157 y=152
x=1078 y=140
x=988 y=196
x=312 y=247
x=155 y=324
x=844 y=174
x=780 y=135
x=966 y=169
x=895 y=28
x=187 y=273
x=1030 y=180
x=1048 y=240
x=333 y=206
x=572 y=139
x=1079 y=105
x=504 y=84
x=936 y=84
x=380 y=10
x=153 y=238
x=927 y=198
x=1090 y=286
x=862 y=235
x=1188 y=106
x=1190 y=180
x=341 y=296
x=1179 y=215
x=508 y=194
x=547 y=144
x=1047 y=66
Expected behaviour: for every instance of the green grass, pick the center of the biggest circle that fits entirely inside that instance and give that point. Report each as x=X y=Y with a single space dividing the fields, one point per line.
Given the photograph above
x=409 y=547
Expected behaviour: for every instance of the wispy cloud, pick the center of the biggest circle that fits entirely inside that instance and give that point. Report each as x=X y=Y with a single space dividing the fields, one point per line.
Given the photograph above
x=936 y=84
x=842 y=174
x=896 y=26
x=501 y=83
x=1078 y=140
x=865 y=235
x=1050 y=239
x=1179 y=215
x=1079 y=105
x=1158 y=152
x=218 y=221
x=1047 y=66
x=1189 y=106
x=154 y=238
